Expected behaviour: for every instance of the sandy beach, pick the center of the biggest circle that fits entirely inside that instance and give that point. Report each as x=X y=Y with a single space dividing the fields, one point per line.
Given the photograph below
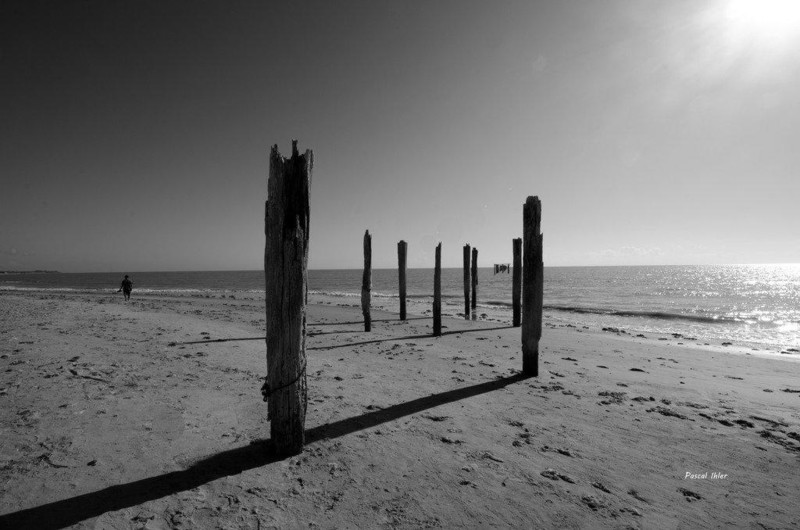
x=148 y=414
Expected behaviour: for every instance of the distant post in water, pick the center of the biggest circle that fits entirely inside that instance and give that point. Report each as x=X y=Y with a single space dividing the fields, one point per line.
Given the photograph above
x=466 y=281
x=516 y=281
x=286 y=224
x=402 y=247
x=366 y=281
x=532 y=285
x=474 y=278
x=437 y=293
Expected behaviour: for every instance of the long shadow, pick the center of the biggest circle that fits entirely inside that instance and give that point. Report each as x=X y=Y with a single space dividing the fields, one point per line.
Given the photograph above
x=407 y=337
x=362 y=322
x=310 y=333
x=459 y=331
x=394 y=412
x=209 y=341
x=336 y=332
x=313 y=334
x=67 y=512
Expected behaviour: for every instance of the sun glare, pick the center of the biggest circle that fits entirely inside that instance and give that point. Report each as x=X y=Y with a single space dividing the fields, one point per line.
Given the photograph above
x=767 y=21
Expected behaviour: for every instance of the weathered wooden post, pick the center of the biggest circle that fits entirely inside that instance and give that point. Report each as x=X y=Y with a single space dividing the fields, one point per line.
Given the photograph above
x=402 y=247
x=437 y=293
x=366 y=281
x=532 y=285
x=286 y=225
x=474 y=278
x=466 y=281
x=516 y=281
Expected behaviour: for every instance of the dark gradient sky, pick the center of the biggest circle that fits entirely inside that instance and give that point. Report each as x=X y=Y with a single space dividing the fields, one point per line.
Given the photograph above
x=135 y=135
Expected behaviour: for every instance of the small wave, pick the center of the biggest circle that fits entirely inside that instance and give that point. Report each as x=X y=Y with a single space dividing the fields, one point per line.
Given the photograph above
x=496 y=303
x=444 y=296
x=659 y=315
x=36 y=289
x=139 y=290
x=334 y=293
x=347 y=294
x=378 y=294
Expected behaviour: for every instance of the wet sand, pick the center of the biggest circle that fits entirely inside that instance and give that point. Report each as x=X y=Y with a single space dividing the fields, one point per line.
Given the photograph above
x=148 y=414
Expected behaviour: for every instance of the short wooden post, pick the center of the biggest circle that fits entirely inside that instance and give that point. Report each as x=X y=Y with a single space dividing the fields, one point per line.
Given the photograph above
x=402 y=248
x=516 y=281
x=532 y=285
x=437 y=293
x=466 y=281
x=366 y=281
x=286 y=224
x=474 y=278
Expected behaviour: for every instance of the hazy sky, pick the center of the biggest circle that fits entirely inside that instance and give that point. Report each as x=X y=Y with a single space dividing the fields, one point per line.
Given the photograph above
x=135 y=135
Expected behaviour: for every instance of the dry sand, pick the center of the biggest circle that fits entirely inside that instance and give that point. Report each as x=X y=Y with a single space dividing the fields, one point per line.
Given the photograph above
x=148 y=414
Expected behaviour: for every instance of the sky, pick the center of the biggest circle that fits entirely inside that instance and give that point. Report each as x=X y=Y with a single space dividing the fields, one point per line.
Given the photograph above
x=135 y=136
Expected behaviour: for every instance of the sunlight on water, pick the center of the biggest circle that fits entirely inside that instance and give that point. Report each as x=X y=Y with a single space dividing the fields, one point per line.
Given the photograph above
x=755 y=304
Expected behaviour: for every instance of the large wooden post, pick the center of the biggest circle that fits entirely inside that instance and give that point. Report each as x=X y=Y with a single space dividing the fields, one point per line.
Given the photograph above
x=286 y=226
x=402 y=248
x=437 y=293
x=532 y=285
x=466 y=281
x=366 y=281
x=474 y=279
x=516 y=281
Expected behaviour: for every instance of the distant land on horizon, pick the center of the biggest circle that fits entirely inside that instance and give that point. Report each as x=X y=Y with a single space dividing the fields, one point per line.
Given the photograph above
x=30 y=272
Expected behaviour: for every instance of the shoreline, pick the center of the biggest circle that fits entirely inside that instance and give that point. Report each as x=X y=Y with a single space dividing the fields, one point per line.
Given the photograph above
x=148 y=414
x=488 y=313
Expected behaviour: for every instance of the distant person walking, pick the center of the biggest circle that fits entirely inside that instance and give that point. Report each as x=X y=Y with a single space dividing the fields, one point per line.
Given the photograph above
x=126 y=287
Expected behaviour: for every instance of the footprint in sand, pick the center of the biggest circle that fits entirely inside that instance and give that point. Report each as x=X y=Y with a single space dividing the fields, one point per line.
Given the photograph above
x=601 y=487
x=689 y=495
x=636 y=495
x=664 y=411
x=592 y=502
x=614 y=398
x=559 y=450
x=435 y=418
x=553 y=475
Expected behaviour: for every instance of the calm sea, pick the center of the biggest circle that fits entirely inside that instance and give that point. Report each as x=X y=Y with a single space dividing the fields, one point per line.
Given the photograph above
x=752 y=304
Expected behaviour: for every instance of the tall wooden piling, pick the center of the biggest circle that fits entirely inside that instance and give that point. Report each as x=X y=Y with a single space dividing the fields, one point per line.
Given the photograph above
x=366 y=281
x=474 y=278
x=532 y=285
x=402 y=248
x=437 y=293
x=286 y=225
x=466 y=281
x=516 y=281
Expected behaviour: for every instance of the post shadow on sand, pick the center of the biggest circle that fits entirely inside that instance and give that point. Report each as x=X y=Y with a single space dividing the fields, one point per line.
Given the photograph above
x=67 y=512
x=407 y=337
x=361 y=321
x=313 y=334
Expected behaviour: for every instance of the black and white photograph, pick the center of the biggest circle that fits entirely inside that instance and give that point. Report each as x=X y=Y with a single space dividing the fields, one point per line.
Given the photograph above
x=384 y=264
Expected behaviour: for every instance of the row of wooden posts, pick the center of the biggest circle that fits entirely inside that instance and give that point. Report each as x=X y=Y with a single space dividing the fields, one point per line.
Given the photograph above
x=470 y=280
x=286 y=225
x=402 y=252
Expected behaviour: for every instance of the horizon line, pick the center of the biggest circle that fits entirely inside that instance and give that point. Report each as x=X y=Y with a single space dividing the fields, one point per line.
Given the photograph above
x=53 y=271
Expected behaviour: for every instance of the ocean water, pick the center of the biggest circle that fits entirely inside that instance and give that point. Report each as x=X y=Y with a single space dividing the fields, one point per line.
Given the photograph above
x=757 y=305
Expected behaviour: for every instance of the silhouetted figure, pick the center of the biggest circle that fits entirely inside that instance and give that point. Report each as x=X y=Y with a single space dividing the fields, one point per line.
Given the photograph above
x=126 y=287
